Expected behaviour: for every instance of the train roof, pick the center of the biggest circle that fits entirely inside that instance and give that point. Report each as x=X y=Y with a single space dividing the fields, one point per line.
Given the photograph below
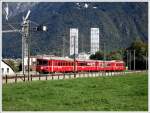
x=100 y=60
x=69 y=59
x=55 y=58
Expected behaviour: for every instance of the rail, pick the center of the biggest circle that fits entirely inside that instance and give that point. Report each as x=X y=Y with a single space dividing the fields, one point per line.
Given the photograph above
x=56 y=76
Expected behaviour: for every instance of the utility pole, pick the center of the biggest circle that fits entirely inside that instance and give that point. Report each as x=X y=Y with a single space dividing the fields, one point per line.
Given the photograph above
x=63 y=46
x=130 y=59
x=74 y=57
x=23 y=38
x=82 y=44
x=146 y=61
x=104 y=52
x=134 y=60
x=127 y=59
x=28 y=40
x=104 y=57
x=26 y=46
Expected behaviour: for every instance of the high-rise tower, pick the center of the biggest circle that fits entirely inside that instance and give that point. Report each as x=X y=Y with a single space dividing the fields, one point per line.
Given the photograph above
x=73 y=41
x=94 y=40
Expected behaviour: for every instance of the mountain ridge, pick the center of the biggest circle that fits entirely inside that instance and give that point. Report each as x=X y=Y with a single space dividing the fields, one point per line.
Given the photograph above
x=120 y=24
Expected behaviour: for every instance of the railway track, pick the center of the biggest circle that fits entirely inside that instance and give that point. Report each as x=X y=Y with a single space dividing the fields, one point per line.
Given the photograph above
x=56 y=76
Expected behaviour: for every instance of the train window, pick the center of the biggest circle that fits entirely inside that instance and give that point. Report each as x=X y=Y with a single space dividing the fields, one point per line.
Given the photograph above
x=39 y=62
x=50 y=63
x=55 y=63
x=119 y=64
x=45 y=62
x=64 y=64
x=83 y=64
x=108 y=64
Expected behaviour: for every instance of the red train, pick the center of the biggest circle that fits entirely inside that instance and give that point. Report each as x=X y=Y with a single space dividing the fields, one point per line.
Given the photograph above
x=67 y=65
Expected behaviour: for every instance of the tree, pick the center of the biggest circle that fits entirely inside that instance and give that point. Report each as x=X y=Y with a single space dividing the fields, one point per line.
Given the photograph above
x=115 y=55
x=97 y=56
x=141 y=50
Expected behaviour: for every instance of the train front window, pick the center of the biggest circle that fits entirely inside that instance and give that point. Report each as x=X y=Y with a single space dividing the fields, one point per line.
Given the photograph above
x=42 y=62
x=45 y=62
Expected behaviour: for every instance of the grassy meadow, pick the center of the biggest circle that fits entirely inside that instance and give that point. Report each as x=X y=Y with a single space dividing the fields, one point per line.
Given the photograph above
x=116 y=93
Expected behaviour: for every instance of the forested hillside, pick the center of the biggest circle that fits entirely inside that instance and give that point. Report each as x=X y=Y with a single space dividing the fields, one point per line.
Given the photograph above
x=120 y=24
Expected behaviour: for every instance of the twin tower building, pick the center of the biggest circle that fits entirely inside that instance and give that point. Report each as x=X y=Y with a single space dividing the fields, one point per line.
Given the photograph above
x=74 y=40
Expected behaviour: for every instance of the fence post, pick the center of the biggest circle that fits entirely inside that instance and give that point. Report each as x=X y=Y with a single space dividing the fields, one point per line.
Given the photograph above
x=6 y=79
x=52 y=77
x=63 y=75
x=85 y=74
x=39 y=77
x=31 y=77
x=46 y=76
x=16 y=78
x=58 y=76
x=24 y=77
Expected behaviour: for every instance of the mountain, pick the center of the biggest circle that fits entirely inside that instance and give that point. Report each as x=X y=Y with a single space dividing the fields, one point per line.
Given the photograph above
x=120 y=24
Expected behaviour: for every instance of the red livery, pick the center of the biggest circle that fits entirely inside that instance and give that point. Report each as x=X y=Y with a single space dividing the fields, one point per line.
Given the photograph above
x=67 y=65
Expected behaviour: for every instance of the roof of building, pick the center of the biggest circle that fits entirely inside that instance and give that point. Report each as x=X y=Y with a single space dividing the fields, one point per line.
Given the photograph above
x=8 y=65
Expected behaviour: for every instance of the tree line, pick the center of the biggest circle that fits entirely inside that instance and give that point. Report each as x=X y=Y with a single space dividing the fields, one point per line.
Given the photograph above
x=140 y=57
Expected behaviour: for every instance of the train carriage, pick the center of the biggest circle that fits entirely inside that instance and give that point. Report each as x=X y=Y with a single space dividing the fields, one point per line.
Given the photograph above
x=67 y=65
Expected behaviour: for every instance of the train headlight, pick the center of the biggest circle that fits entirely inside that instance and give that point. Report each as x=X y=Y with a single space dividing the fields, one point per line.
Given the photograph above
x=41 y=67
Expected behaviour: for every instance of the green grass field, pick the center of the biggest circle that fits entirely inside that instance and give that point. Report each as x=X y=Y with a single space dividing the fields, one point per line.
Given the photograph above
x=117 y=93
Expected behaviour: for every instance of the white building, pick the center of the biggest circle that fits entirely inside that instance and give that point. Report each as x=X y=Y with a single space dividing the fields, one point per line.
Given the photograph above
x=83 y=56
x=94 y=40
x=6 y=69
x=73 y=34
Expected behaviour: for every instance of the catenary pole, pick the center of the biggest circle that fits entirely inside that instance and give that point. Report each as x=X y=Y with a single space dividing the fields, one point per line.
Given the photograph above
x=134 y=60
x=74 y=57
